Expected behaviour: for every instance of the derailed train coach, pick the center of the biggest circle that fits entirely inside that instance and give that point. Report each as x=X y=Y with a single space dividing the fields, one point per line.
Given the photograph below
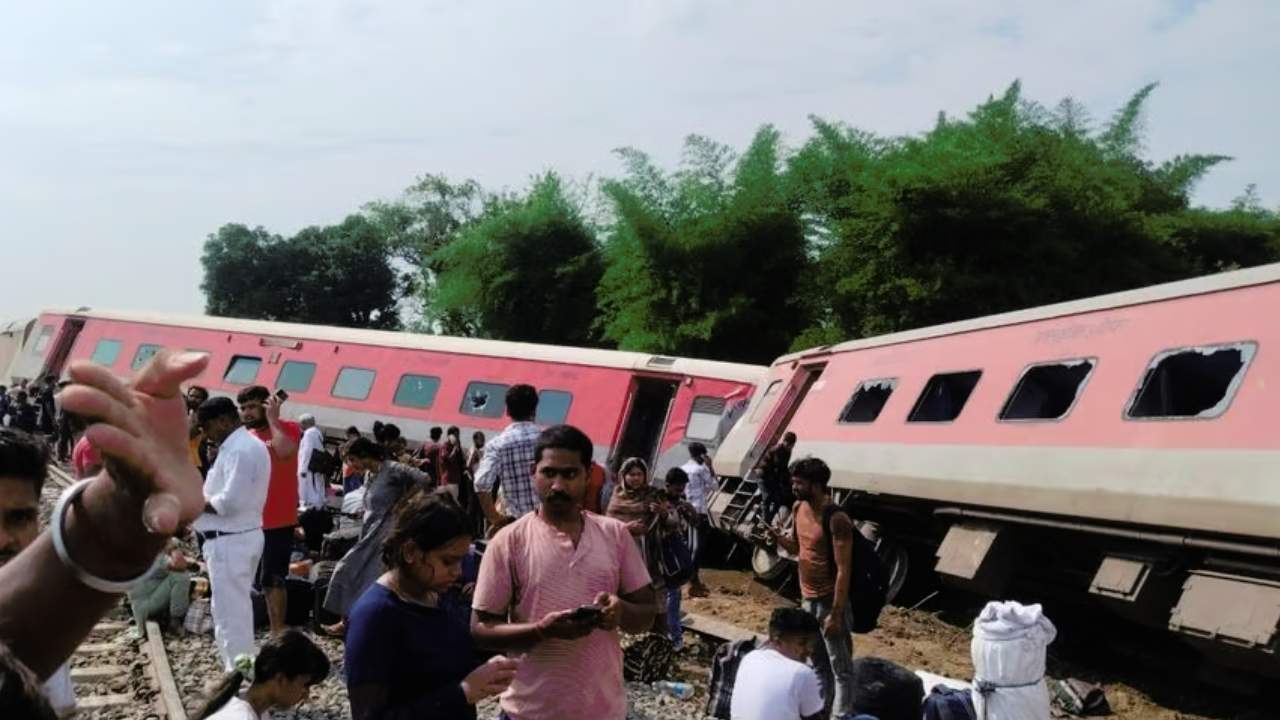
x=630 y=404
x=1123 y=450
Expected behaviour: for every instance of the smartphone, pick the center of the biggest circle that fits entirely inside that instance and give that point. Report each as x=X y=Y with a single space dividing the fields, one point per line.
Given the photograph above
x=282 y=395
x=586 y=613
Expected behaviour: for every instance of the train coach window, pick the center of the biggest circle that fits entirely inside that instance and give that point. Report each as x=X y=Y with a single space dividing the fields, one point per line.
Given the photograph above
x=145 y=352
x=295 y=376
x=944 y=396
x=353 y=383
x=1047 y=391
x=1194 y=382
x=553 y=407
x=769 y=392
x=704 y=418
x=42 y=341
x=242 y=370
x=416 y=391
x=106 y=352
x=868 y=400
x=484 y=399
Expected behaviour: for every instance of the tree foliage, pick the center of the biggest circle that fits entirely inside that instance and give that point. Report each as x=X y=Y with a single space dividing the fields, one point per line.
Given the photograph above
x=704 y=261
x=334 y=275
x=527 y=270
x=744 y=256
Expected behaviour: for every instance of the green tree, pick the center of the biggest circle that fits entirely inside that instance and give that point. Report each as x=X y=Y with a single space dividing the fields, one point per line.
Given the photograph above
x=704 y=261
x=334 y=275
x=1010 y=207
x=526 y=270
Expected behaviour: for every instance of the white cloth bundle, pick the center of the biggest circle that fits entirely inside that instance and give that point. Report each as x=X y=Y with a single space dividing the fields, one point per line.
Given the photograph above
x=1008 y=652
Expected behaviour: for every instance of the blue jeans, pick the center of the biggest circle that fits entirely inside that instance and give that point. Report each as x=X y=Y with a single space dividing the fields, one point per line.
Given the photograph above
x=833 y=660
x=674 y=628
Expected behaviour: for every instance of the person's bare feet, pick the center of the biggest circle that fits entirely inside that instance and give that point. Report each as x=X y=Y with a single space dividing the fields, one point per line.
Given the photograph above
x=338 y=629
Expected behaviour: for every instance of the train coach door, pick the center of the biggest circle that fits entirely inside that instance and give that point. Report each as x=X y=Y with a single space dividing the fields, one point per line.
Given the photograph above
x=648 y=406
x=62 y=347
x=799 y=386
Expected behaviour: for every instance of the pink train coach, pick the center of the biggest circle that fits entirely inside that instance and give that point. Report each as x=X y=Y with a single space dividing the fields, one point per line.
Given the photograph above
x=1123 y=450
x=630 y=404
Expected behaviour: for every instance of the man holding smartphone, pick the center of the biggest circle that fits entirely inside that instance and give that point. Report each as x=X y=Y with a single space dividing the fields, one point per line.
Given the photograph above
x=260 y=413
x=557 y=584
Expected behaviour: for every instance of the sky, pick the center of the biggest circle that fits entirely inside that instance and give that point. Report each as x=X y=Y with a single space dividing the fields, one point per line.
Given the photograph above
x=130 y=130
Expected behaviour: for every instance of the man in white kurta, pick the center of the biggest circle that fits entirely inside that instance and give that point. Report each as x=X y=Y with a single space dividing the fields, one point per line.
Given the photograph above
x=235 y=492
x=310 y=485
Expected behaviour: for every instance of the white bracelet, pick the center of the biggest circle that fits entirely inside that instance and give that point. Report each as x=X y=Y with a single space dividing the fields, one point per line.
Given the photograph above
x=111 y=587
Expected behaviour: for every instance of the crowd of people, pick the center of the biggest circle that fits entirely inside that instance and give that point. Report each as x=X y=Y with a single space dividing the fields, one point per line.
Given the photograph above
x=571 y=556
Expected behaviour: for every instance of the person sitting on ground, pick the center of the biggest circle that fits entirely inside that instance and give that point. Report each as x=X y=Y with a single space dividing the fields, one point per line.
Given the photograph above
x=773 y=682
x=280 y=678
x=643 y=508
x=682 y=516
x=556 y=585
x=24 y=461
x=165 y=594
x=409 y=655
x=388 y=483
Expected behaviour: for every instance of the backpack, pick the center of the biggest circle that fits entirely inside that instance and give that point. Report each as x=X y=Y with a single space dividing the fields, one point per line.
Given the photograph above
x=945 y=703
x=322 y=462
x=869 y=585
x=675 y=560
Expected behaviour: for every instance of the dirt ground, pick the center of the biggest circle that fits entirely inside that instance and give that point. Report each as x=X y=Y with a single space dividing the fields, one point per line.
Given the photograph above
x=1140 y=685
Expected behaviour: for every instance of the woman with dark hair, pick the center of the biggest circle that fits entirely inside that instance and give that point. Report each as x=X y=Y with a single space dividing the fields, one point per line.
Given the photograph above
x=408 y=655
x=279 y=678
x=644 y=509
x=387 y=483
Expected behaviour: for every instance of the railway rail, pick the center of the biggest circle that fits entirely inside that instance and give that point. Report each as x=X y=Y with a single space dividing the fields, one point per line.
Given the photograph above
x=114 y=677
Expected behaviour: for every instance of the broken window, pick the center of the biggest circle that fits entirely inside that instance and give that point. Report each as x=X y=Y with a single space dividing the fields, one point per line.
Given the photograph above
x=944 y=396
x=1048 y=391
x=1194 y=382
x=868 y=400
x=484 y=399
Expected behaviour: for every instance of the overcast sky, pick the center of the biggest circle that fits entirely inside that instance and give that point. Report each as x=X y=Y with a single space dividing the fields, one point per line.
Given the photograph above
x=129 y=130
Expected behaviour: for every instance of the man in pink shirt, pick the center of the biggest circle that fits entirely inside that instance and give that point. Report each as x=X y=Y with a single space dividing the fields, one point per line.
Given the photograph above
x=556 y=585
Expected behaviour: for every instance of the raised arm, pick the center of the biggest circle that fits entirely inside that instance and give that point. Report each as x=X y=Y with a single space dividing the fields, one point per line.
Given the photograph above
x=283 y=441
x=121 y=521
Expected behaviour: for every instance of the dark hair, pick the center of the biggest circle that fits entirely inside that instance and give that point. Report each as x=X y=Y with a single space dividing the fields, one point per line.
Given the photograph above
x=477 y=435
x=428 y=518
x=21 y=694
x=522 y=402
x=363 y=447
x=676 y=476
x=789 y=437
x=200 y=389
x=389 y=432
x=792 y=622
x=377 y=430
x=697 y=450
x=564 y=437
x=436 y=432
x=886 y=690
x=24 y=456
x=353 y=430
x=812 y=469
x=454 y=431
x=253 y=392
x=290 y=654
x=218 y=407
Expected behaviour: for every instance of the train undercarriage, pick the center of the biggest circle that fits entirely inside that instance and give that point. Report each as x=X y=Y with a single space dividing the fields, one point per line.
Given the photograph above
x=1219 y=595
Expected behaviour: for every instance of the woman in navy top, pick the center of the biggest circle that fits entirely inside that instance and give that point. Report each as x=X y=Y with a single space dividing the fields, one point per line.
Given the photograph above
x=408 y=655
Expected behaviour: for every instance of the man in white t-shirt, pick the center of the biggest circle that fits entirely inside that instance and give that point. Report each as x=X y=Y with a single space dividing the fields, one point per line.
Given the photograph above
x=774 y=683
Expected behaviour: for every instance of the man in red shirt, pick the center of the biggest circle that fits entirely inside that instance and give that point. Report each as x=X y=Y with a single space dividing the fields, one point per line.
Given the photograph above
x=260 y=414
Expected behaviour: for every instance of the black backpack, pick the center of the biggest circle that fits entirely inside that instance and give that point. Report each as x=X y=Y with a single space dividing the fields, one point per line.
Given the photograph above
x=869 y=585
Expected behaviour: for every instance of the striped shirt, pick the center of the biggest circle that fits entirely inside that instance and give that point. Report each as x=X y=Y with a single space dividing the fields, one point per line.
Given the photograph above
x=508 y=463
x=531 y=569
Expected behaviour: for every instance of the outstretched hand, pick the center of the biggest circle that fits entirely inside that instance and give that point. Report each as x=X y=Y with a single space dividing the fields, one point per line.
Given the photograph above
x=140 y=427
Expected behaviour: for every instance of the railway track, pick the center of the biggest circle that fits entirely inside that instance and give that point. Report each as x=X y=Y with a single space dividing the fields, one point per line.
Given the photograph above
x=114 y=677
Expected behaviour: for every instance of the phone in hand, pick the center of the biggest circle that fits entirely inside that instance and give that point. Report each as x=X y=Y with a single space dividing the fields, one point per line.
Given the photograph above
x=282 y=395
x=587 y=613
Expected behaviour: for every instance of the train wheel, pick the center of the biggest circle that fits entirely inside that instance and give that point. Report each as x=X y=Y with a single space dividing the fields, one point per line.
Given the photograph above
x=767 y=564
x=897 y=562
